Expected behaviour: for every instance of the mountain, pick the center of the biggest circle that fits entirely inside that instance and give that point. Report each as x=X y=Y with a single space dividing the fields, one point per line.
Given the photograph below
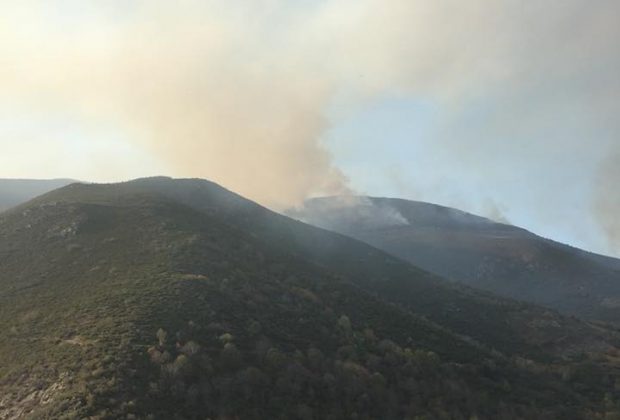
x=163 y=299
x=17 y=191
x=503 y=259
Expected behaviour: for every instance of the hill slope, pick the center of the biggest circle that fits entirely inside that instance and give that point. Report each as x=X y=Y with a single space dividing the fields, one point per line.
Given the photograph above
x=500 y=258
x=161 y=298
x=17 y=191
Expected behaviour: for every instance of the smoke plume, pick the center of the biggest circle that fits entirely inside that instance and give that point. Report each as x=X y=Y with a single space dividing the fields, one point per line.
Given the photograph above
x=238 y=92
x=348 y=213
x=241 y=92
x=607 y=204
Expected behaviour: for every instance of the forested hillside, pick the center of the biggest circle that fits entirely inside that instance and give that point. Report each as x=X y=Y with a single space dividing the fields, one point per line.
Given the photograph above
x=167 y=299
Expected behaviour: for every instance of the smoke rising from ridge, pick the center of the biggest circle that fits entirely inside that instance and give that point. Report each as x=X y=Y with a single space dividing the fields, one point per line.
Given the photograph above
x=240 y=91
x=354 y=212
x=235 y=92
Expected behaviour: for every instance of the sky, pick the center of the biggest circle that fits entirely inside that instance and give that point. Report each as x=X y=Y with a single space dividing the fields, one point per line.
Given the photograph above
x=504 y=108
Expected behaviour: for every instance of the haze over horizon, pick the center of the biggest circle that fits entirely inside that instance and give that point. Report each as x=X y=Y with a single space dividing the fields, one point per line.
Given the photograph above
x=504 y=109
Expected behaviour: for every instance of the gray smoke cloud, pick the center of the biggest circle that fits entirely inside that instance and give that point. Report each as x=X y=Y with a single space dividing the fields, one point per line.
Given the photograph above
x=348 y=212
x=240 y=91
x=607 y=204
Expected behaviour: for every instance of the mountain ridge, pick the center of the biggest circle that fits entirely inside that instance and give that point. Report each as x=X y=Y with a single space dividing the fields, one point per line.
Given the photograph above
x=17 y=191
x=502 y=259
x=159 y=295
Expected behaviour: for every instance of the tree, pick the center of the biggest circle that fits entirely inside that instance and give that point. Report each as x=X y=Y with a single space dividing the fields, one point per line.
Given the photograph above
x=230 y=356
x=345 y=325
x=162 y=335
x=190 y=348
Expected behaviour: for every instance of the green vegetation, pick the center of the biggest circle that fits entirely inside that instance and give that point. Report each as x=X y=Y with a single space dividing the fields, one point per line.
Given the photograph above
x=176 y=299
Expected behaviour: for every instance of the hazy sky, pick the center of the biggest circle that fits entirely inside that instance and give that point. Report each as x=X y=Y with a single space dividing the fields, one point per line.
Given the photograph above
x=507 y=108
